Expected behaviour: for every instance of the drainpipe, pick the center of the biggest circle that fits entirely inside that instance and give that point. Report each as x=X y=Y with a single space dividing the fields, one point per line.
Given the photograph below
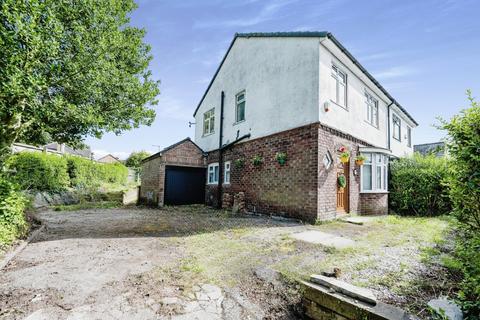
x=388 y=124
x=220 y=153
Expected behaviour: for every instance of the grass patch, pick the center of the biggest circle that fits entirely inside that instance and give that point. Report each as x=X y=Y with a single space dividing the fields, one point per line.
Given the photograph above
x=88 y=205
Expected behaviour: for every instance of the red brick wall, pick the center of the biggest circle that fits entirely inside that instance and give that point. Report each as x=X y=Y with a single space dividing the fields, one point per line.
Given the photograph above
x=153 y=171
x=289 y=190
x=374 y=203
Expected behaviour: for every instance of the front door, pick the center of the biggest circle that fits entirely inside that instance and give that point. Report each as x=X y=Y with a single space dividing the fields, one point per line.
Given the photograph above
x=343 y=193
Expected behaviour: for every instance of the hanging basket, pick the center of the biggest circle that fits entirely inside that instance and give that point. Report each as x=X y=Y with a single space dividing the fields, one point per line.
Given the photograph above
x=359 y=162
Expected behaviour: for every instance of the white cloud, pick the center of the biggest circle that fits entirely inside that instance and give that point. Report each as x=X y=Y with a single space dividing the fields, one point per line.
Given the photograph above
x=268 y=12
x=394 y=72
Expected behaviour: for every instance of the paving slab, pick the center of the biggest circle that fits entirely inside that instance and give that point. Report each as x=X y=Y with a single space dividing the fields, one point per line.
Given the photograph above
x=324 y=238
x=348 y=289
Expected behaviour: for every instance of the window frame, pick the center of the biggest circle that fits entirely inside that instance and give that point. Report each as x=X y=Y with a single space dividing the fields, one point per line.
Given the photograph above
x=227 y=168
x=375 y=164
x=210 y=120
x=396 y=117
x=409 y=136
x=215 y=173
x=237 y=103
x=370 y=107
x=335 y=75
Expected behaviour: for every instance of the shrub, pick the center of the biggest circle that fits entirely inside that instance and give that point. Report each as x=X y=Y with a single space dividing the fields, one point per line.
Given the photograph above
x=39 y=171
x=418 y=186
x=463 y=145
x=112 y=173
x=86 y=174
x=12 y=217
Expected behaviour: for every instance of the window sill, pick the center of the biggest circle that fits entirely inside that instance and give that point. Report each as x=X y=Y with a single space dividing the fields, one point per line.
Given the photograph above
x=376 y=127
x=374 y=191
x=208 y=134
x=238 y=122
x=212 y=183
x=339 y=105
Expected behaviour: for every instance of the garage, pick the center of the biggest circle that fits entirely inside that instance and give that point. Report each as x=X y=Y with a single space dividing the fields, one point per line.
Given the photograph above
x=184 y=185
x=174 y=176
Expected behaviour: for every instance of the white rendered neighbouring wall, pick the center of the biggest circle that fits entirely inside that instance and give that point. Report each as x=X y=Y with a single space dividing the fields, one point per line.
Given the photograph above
x=280 y=79
x=353 y=118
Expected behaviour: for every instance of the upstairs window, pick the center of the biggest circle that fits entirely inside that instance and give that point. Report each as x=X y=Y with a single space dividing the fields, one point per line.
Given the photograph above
x=209 y=122
x=374 y=173
x=372 y=110
x=409 y=137
x=397 y=124
x=212 y=173
x=340 y=78
x=240 y=107
x=226 y=173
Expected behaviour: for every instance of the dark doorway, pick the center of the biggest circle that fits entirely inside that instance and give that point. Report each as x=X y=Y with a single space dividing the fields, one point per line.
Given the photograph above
x=184 y=185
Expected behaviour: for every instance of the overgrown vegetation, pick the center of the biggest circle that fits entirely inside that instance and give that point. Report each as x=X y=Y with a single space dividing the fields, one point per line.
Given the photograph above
x=463 y=145
x=48 y=172
x=12 y=217
x=418 y=186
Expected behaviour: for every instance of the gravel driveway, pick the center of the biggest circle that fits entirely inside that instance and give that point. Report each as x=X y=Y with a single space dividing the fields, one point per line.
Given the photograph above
x=103 y=264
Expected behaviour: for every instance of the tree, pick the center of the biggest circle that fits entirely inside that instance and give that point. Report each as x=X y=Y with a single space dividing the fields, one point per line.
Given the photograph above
x=134 y=160
x=70 y=69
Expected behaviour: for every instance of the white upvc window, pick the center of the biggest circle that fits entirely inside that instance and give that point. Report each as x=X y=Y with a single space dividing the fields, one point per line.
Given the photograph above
x=240 y=106
x=397 y=124
x=372 y=110
x=340 y=78
x=226 y=173
x=212 y=173
x=409 y=137
x=374 y=173
x=209 y=122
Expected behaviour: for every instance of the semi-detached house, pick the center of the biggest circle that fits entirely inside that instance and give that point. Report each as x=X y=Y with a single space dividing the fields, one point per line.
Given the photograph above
x=276 y=118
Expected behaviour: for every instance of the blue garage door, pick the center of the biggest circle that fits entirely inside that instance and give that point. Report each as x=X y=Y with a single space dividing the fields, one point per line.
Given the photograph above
x=184 y=185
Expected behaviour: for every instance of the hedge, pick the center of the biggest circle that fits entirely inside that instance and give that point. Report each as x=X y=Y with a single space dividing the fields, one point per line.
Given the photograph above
x=418 y=186
x=12 y=217
x=48 y=172
x=39 y=171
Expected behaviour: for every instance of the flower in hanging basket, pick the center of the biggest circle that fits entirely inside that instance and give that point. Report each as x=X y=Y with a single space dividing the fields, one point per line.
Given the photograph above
x=359 y=160
x=345 y=157
x=281 y=158
x=239 y=163
x=342 y=149
x=342 y=181
x=257 y=160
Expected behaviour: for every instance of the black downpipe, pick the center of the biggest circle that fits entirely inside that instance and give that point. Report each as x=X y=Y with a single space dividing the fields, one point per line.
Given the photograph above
x=388 y=123
x=220 y=154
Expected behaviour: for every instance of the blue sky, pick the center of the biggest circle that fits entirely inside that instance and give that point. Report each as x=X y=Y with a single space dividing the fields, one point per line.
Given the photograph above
x=425 y=53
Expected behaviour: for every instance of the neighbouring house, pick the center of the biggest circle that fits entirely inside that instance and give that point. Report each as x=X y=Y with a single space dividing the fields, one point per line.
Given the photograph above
x=436 y=148
x=277 y=116
x=109 y=159
x=175 y=175
x=54 y=148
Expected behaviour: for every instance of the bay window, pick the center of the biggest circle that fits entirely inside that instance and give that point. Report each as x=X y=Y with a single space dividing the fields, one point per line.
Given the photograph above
x=374 y=173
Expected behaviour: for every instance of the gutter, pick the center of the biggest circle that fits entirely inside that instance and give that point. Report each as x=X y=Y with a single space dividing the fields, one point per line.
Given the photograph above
x=220 y=153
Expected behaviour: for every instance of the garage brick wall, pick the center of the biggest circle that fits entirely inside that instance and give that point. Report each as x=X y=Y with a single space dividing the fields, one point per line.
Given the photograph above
x=185 y=153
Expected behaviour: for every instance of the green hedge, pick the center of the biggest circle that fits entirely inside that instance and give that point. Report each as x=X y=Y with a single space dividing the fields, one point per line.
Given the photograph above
x=12 y=217
x=418 y=186
x=39 y=171
x=49 y=172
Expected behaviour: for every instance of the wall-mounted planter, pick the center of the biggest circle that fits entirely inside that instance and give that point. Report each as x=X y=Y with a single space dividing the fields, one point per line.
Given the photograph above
x=257 y=160
x=345 y=157
x=359 y=160
x=281 y=158
x=239 y=163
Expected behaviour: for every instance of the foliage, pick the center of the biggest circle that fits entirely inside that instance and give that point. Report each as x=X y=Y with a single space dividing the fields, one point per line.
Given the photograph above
x=257 y=160
x=135 y=160
x=12 y=217
x=87 y=174
x=463 y=145
x=39 y=171
x=71 y=69
x=342 y=181
x=115 y=173
x=239 y=163
x=281 y=157
x=418 y=186
x=360 y=158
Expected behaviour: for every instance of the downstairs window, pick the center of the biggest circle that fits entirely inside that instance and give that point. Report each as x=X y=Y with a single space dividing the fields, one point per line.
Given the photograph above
x=374 y=173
